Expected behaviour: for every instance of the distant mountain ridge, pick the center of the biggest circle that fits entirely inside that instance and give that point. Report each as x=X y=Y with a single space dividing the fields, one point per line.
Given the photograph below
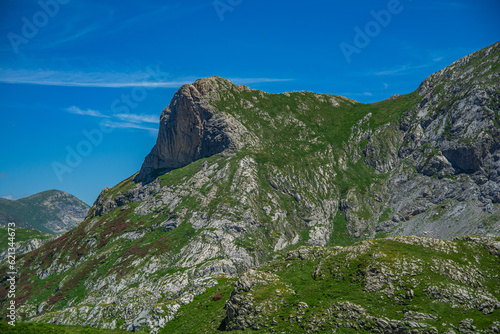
x=51 y=211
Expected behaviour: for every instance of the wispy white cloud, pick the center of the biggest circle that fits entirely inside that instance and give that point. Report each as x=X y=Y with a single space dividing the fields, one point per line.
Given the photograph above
x=9 y=197
x=150 y=16
x=119 y=121
x=431 y=60
x=88 y=112
x=155 y=14
x=351 y=95
x=104 y=79
x=127 y=125
x=401 y=69
x=85 y=79
x=134 y=118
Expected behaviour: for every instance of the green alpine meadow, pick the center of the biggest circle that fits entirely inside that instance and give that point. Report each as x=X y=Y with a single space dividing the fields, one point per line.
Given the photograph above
x=289 y=213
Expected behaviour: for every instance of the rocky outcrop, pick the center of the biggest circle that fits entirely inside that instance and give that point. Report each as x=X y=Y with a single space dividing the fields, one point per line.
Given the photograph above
x=456 y=126
x=399 y=274
x=106 y=201
x=443 y=160
x=191 y=128
x=34 y=241
x=243 y=311
x=347 y=283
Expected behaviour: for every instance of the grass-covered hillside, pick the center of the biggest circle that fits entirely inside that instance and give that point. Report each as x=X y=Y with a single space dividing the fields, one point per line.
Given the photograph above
x=394 y=285
x=34 y=328
x=22 y=237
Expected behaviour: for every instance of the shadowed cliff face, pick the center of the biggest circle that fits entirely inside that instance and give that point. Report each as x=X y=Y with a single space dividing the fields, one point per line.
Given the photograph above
x=460 y=105
x=191 y=129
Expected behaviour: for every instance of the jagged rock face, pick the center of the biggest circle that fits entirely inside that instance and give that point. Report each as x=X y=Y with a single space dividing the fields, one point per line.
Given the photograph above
x=190 y=128
x=452 y=140
x=458 y=117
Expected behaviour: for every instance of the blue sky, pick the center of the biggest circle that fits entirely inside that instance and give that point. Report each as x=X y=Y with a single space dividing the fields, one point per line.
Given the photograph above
x=82 y=83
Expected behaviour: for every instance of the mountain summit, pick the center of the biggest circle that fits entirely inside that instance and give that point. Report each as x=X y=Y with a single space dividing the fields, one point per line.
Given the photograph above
x=240 y=179
x=191 y=128
x=51 y=211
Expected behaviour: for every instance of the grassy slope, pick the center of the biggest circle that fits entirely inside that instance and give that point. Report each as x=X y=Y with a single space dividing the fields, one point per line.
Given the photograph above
x=344 y=282
x=205 y=313
x=21 y=235
x=288 y=145
x=35 y=328
x=70 y=247
x=330 y=125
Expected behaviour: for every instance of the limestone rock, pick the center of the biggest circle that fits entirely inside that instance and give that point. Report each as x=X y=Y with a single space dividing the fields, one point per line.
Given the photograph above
x=191 y=128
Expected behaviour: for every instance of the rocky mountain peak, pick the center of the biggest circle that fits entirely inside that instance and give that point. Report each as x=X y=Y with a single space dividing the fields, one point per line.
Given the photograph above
x=458 y=117
x=205 y=86
x=285 y=176
x=191 y=128
x=472 y=71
